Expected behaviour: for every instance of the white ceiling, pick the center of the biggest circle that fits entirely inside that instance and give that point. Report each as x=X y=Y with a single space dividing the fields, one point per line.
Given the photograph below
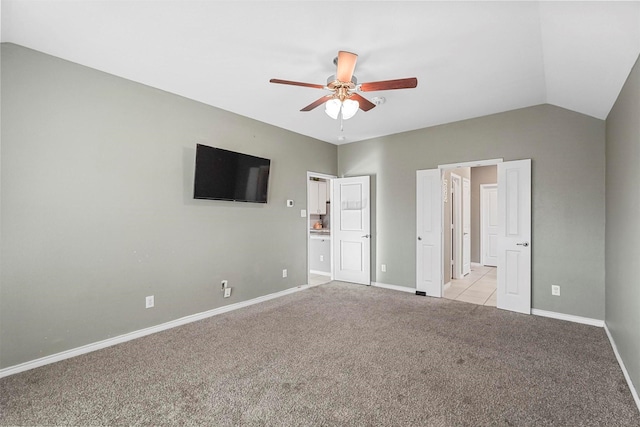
x=471 y=58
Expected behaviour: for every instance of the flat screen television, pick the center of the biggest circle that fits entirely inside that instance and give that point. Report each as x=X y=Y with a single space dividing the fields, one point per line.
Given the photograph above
x=227 y=175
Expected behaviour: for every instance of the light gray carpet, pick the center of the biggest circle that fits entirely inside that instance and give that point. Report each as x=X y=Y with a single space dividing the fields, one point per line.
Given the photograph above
x=338 y=354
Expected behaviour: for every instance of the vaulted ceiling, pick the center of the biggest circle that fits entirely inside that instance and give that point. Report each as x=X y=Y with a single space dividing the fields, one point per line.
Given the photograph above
x=471 y=58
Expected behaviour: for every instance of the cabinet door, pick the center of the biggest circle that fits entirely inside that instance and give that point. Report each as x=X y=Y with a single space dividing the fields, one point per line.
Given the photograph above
x=313 y=197
x=320 y=256
x=322 y=197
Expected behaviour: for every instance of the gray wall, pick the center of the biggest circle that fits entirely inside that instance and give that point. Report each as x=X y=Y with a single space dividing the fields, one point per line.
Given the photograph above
x=479 y=175
x=97 y=209
x=567 y=152
x=623 y=225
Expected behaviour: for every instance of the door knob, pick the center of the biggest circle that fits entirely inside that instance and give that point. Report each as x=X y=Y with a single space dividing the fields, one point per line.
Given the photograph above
x=366 y=236
x=525 y=244
x=419 y=238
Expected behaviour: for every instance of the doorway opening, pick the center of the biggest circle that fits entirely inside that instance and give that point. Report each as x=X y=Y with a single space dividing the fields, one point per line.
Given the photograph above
x=319 y=247
x=513 y=236
x=469 y=275
x=338 y=229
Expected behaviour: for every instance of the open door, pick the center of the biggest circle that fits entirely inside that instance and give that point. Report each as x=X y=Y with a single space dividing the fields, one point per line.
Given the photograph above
x=466 y=226
x=429 y=233
x=351 y=228
x=514 y=236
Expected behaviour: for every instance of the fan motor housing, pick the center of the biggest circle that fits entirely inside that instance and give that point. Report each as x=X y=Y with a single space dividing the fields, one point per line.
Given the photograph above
x=332 y=78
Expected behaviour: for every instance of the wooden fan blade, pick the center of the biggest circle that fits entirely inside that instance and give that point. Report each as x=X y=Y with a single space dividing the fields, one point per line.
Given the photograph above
x=346 y=65
x=390 y=84
x=365 y=104
x=289 y=82
x=316 y=103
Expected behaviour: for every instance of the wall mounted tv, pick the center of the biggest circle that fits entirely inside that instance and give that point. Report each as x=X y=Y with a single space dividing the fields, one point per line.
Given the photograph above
x=227 y=175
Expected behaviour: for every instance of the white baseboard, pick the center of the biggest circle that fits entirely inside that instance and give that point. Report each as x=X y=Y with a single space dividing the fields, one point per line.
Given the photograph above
x=394 y=287
x=568 y=317
x=320 y=273
x=634 y=392
x=446 y=286
x=67 y=354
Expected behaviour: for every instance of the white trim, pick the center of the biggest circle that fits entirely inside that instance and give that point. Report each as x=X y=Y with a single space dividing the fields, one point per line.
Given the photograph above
x=394 y=287
x=329 y=179
x=473 y=164
x=446 y=286
x=67 y=354
x=568 y=317
x=319 y=175
x=456 y=221
x=634 y=392
x=320 y=273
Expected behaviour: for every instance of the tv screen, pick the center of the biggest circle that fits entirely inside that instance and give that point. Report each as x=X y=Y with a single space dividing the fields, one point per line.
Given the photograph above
x=227 y=175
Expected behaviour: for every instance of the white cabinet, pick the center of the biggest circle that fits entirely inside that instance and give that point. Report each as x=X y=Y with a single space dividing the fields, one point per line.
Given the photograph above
x=318 y=197
x=320 y=255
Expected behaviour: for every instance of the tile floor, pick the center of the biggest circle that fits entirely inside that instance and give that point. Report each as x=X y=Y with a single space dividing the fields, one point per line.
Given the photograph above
x=477 y=287
x=317 y=279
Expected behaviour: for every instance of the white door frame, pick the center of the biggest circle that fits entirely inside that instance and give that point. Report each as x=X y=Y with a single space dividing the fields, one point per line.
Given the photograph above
x=465 y=229
x=329 y=179
x=477 y=163
x=483 y=214
x=456 y=220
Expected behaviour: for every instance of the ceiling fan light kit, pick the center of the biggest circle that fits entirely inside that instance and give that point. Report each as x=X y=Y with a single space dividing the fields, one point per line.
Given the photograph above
x=344 y=102
x=348 y=108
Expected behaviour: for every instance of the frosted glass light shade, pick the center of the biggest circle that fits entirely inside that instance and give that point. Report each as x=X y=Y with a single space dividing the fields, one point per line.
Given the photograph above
x=349 y=108
x=332 y=108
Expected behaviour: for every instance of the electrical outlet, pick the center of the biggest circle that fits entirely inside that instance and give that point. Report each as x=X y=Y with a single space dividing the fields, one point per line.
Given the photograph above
x=227 y=292
x=224 y=284
x=383 y=268
x=284 y=273
x=303 y=213
x=555 y=290
x=148 y=302
x=321 y=258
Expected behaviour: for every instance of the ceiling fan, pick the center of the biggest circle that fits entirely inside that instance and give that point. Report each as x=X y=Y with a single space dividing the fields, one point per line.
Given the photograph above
x=345 y=100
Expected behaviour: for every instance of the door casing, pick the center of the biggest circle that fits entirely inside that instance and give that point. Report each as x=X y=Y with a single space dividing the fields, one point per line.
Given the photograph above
x=466 y=226
x=489 y=162
x=329 y=179
x=456 y=220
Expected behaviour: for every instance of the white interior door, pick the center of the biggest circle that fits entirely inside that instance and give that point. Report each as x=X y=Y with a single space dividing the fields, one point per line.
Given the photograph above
x=456 y=222
x=514 y=236
x=429 y=233
x=351 y=204
x=466 y=226
x=489 y=224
